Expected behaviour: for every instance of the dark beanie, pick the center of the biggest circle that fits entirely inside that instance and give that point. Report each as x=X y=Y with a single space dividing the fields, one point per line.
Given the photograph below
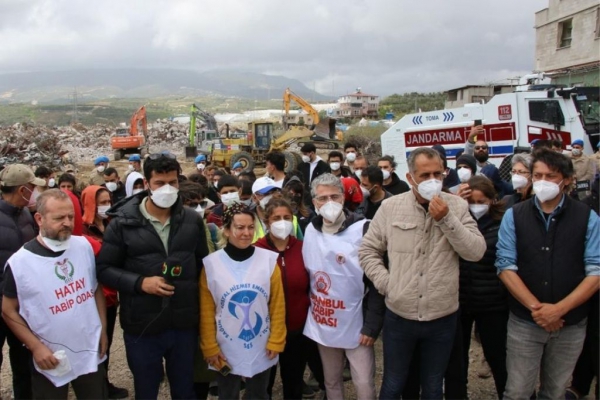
x=469 y=161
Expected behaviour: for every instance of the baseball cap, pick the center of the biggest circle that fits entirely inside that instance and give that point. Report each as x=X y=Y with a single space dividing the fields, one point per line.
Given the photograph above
x=577 y=141
x=100 y=159
x=237 y=165
x=19 y=174
x=264 y=185
x=134 y=157
x=200 y=158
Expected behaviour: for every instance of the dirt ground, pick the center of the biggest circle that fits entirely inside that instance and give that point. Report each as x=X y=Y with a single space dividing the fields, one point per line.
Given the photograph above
x=120 y=375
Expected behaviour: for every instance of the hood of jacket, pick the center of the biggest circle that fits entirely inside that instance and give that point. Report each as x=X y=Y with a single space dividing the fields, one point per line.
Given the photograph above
x=88 y=200
x=131 y=178
x=78 y=219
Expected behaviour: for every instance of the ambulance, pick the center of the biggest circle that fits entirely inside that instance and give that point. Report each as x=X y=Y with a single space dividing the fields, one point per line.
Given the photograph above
x=511 y=122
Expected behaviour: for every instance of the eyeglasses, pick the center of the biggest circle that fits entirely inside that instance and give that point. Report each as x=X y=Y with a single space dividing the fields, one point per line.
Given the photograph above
x=480 y=147
x=164 y=154
x=334 y=197
x=519 y=172
x=195 y=204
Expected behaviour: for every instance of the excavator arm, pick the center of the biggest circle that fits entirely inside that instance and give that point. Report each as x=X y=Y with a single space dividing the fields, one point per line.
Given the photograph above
x=138 y=117
x=288 y=96
x=193 y=113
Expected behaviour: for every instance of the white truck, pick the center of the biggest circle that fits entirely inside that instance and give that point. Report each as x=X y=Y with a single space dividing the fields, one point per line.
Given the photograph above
x=511 y=122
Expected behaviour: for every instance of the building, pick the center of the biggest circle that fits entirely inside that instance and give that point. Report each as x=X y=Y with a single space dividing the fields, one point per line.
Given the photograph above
x=358 y=105
x=567 y=42
x=474 y=94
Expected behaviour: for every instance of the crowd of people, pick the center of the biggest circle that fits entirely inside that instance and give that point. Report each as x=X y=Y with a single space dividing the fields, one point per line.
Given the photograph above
x=221 y=278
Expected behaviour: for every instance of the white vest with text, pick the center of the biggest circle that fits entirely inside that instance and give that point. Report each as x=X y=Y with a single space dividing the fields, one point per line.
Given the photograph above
x=56 y=299
x=241 y=292
x=336 y=286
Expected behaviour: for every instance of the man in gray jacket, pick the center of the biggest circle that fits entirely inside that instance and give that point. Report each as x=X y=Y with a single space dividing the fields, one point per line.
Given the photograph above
x=424 y=232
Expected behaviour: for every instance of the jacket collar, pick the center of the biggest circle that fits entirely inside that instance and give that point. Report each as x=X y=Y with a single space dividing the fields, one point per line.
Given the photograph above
x=9 y=209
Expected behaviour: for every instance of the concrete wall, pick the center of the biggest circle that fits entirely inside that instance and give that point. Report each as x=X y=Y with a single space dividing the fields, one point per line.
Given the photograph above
x=585 y=43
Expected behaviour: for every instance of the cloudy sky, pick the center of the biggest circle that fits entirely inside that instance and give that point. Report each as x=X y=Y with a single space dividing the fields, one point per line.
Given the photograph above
x=382 y=46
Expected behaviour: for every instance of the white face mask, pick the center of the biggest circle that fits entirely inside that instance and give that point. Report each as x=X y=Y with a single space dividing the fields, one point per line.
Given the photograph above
x=576 y=152
x=305 y=158
x=51 y=182
x=136 y=191
x=102 y=211
x=429 y=189
x=464 y=174
x=546 y=190
x=216 y=184
x=479 y=210
x=519 y=181
x=130 y=167
x=199 y=209
x=247 y=202
x=331 y=210
x=165 y=196
x=358 y=173
x=386 y=174
x=365 y=192
x=230 y=198
x=263 y=202
x=101 y=169
x=334 y=166
x=200 y=167
x=351 y=156
x=236 y=173
x=56 y=245
x=112 y=186
x=281 y=229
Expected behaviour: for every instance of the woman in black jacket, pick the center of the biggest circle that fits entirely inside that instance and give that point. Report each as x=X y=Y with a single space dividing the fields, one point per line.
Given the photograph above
x=482 y=296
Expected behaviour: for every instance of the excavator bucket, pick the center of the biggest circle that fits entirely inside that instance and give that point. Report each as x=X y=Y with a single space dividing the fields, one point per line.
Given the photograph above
x=326 y=128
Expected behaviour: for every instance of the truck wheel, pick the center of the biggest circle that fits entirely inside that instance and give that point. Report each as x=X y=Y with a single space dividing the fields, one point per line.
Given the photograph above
x=118 y=155
x=291 y=162
x=298 y=158
x=245 y=158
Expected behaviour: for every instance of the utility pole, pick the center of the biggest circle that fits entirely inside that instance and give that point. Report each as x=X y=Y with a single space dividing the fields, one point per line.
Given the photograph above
x=75 y=116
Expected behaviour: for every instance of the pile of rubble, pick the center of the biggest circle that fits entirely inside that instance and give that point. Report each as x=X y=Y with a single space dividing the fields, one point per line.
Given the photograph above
x=57 y=146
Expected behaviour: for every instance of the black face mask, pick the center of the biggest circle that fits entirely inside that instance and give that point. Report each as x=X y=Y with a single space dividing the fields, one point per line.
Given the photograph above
x=482 y=157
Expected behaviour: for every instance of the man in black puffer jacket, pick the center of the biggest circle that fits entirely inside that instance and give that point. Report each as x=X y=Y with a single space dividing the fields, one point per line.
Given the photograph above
x=152 y=254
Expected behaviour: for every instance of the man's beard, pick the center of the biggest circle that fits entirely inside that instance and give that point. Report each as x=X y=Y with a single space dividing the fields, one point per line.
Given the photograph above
x=482 y=157
x=62 y=235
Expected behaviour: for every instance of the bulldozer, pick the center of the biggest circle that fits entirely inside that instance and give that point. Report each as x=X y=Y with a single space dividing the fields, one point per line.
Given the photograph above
x=131 y=140
x=324 y=136
x=250 y=150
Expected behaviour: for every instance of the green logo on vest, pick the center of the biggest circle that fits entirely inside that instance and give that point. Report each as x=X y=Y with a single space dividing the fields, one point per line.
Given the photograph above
x=64 y=270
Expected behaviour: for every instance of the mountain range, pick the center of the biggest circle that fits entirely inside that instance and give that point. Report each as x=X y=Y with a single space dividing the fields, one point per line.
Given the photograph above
x=90 y=84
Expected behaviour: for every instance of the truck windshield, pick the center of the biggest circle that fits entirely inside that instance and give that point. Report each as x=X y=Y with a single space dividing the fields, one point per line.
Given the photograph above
x=587 y=100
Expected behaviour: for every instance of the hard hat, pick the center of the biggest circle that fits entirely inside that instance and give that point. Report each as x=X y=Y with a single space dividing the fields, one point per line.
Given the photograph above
x=577 y=142
x=134 y=157
x=237 y=165
x=200 y=158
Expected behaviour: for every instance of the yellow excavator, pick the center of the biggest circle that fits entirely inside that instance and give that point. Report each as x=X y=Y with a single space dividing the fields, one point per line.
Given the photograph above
x=324 y=134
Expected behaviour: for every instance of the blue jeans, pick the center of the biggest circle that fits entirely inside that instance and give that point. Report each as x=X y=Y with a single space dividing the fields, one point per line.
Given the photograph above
x=401 y=337
x=533 y=352
x=145 y=359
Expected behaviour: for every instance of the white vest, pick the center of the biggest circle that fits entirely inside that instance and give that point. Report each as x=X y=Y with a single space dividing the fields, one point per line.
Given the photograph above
x=336 y=286
x=56 y=299
x=241 y=292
